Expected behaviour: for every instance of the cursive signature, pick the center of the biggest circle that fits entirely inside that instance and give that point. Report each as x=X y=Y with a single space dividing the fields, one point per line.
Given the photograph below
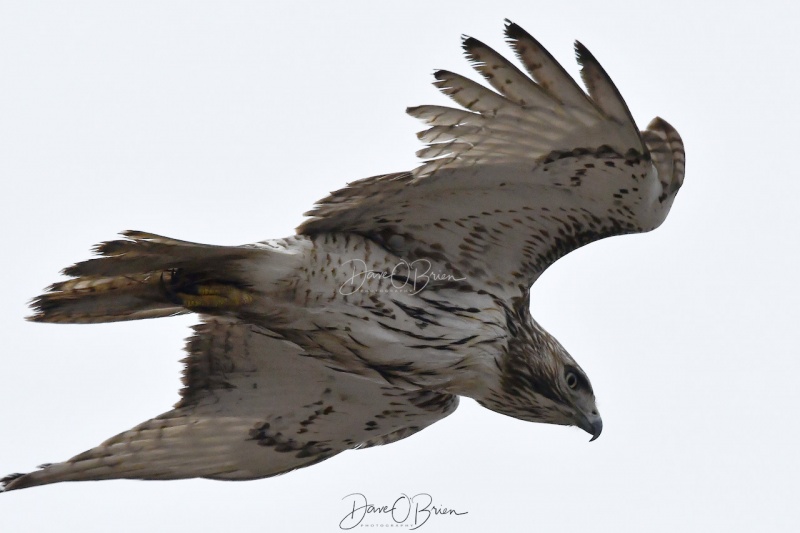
x=411 y=511
x=413 y=276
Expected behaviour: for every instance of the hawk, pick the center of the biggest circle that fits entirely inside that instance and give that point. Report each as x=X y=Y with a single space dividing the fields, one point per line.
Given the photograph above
x=399 y=294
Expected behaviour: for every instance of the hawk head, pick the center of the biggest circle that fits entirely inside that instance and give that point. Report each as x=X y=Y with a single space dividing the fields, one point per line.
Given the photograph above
x=539 y=381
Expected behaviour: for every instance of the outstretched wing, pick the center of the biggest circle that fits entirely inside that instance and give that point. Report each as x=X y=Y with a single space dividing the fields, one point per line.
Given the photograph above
x=520 y=177
x=253 y=406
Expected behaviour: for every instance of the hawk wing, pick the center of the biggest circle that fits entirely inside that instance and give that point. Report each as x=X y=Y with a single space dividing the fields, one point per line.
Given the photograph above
x=244 y=414
x=521 y=176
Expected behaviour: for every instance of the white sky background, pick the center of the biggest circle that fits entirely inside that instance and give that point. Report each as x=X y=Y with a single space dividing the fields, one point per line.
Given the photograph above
x=223 y=122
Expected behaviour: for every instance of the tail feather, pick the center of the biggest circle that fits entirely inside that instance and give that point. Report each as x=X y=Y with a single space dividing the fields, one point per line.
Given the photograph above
x=147 y=252
x=90 y=300
x=141 y=276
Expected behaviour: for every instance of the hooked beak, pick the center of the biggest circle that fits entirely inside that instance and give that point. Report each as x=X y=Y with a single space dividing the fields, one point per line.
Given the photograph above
x=593 y=425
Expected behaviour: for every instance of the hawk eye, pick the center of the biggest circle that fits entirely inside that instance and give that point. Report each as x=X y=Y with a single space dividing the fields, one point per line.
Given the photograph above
x=572 y=380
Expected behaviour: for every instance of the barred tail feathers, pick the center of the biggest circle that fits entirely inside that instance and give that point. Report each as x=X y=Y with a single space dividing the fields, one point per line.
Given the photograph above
x=146 y=276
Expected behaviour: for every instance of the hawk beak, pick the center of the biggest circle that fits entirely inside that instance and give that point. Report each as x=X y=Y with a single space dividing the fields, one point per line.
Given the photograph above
x=593 y=425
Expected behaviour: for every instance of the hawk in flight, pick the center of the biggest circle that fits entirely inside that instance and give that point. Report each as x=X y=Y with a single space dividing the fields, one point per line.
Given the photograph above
x=399 y=294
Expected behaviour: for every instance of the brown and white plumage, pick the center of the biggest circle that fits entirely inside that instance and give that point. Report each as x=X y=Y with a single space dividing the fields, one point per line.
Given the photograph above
x=287 y=410
x=331 y=339
x=519 y=178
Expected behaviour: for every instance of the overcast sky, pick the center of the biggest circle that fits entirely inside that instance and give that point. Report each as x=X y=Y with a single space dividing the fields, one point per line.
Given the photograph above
x=223 y=122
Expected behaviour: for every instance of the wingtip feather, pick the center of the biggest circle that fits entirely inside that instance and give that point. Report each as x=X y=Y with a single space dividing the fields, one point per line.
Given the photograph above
x=7 y=482
x=602 y=90
x=512 y=30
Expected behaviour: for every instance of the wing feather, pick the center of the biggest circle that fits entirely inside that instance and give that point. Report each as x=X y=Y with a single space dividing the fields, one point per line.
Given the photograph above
x=545 y=70
x=503 y=75
x=521 y=176
x=602 y=90
x=253 y=406
x=469 y=94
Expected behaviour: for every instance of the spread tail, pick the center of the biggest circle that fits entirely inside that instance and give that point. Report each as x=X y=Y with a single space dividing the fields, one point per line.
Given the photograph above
x=147 y=276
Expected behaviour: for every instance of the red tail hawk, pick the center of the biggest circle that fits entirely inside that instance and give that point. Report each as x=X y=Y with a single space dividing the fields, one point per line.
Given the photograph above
x=401 y=293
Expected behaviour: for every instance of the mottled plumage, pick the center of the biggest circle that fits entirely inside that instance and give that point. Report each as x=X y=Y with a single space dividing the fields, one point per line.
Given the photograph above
x=400 y=292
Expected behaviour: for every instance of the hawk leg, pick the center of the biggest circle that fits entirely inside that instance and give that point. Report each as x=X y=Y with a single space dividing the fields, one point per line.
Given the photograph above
x=200 y=295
